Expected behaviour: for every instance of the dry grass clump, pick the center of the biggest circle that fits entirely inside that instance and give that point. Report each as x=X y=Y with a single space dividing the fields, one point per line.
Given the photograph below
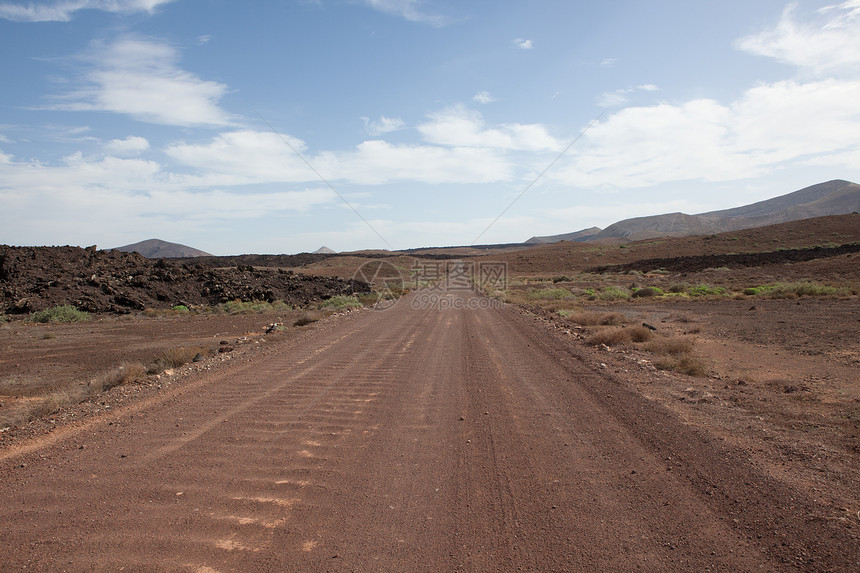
x=688 y=364
x=619 y=335
x=175 y=357
x=307 y=318
x=51 y=403
x=126 y=373
x=676 y=353
x=672 y=345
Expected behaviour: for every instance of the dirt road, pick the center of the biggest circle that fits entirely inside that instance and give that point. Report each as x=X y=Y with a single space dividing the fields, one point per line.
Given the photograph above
x=411 y=439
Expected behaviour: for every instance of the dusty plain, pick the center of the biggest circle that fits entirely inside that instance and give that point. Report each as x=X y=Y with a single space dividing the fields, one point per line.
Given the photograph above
x=536 y=427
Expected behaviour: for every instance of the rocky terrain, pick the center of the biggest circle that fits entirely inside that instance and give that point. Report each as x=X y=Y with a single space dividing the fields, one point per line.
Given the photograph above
x=36 y=278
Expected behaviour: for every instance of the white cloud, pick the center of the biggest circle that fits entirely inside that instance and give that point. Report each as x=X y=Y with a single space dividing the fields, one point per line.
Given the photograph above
x=824 y=44
x=131 y=145
x=608 y=62
x=410 y=10
x=461 y=127
x=128 y=197
x=244 y=157
x=522 y=44
x=140 y=77
x=483 y=97
x=63 y=10
x=768 y=127
x=376 y=162
x=621 y=96
x=384 y=125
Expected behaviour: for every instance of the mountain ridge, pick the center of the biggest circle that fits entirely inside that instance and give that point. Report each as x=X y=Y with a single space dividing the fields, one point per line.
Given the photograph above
x=835 y=197
x=158 y=249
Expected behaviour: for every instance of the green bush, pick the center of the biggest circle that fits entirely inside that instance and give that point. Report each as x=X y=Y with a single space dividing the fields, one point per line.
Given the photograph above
x=341 y=302
x=647 y=291
x=180 y=308
x=614 y=293
x=803 y=288
x=796 y=289
x=65 y=313
x=706 y=290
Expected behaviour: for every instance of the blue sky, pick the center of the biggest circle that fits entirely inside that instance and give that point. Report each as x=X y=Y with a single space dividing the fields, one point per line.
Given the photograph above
x=278 y=127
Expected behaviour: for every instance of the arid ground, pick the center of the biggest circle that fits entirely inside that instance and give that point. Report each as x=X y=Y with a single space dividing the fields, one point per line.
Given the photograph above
x=607 y=408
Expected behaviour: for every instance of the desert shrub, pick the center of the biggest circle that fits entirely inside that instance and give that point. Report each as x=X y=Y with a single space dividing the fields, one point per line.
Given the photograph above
x=307 y=318
x=675 y=345
x=125 y=374
x=561 y=279
x=367 y=298
x=689 y=365
x=706 y=290
x=180 y=308
x=640 y=334
x=609 y=336
x=752 y=291
x=550 y=294
x=174 y=357
x=49 y=404
x=646 y=292
x=658 y=272
x=614 y=293
x=619 y=335
x=678 y=288
x=341 y=302
x=65 y=313
x=802 y=288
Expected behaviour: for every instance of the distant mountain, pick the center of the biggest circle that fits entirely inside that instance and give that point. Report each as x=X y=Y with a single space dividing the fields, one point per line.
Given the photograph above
x=582 y=235
x=158 y=249
x=835 y=197
x=324 y=251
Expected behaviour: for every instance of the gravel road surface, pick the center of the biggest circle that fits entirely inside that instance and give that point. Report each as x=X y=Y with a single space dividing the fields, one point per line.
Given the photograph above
x=443 y=434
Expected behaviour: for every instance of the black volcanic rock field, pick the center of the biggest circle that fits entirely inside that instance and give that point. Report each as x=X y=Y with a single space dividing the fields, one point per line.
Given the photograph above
x=36 y=278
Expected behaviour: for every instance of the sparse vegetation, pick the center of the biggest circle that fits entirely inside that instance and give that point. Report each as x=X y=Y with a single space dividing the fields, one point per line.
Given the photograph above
x=341 y=302
x=689 y=365
x=307 y=318
x=253 y=307
x=64 y=313
x=614 y=293
x=646 y=292
x=175 y=357
x=124 y=374
x=670 y=345
x=619 y=335
x=706 y=290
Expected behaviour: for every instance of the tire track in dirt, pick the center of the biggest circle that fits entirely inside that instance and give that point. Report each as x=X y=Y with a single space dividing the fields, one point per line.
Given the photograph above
x=414 y=439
